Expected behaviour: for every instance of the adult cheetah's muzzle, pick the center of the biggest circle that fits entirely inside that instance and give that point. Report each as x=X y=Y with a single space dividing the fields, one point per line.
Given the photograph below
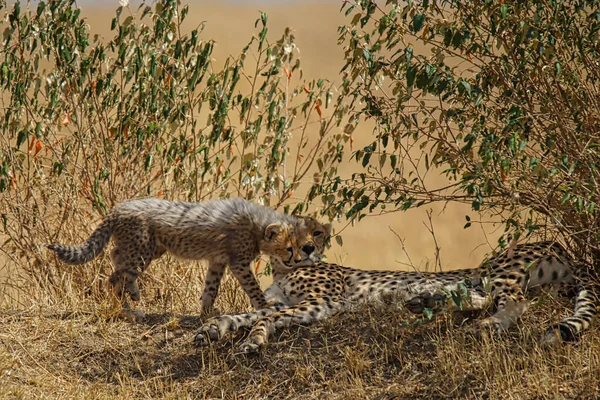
x=308 y=249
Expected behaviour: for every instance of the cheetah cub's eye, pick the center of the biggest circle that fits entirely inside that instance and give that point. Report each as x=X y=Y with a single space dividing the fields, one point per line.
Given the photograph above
x=317 y=233
x=290 y=249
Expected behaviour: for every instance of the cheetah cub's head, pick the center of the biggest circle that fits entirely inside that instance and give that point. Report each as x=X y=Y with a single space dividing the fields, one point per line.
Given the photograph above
x=299 y=244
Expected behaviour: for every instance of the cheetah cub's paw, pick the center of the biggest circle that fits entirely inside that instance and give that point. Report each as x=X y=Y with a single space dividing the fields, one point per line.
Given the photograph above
x=132 y=316
x=214 y=329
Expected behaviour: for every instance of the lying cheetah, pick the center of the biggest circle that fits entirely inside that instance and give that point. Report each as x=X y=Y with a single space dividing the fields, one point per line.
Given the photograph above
x=313 y=293
x=224 y=232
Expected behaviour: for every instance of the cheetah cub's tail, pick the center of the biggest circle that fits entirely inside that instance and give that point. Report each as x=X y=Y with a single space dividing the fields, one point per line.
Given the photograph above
x=88 y=250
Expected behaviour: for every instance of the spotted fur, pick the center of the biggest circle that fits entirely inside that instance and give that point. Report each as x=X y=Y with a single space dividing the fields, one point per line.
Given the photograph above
x=313 y=293
x=224 y=232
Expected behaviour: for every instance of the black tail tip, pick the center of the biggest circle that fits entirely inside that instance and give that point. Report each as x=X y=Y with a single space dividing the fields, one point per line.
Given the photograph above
x=566 y=332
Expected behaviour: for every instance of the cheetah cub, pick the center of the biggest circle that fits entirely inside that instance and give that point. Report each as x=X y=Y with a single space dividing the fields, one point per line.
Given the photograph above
x=229 y=232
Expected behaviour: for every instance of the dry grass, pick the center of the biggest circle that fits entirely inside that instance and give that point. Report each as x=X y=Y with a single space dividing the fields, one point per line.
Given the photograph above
x=81 y=352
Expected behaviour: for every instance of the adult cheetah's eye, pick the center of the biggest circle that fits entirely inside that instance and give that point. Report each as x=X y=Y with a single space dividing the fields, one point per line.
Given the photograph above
x=289 y=249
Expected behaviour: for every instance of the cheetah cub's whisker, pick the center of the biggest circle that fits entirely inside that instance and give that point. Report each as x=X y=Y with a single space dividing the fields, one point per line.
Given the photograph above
x=231 y=232
x=310 y=294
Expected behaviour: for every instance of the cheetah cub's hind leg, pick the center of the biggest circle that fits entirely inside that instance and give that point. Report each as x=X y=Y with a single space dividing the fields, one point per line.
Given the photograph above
x=212 y=282
x=135 y=247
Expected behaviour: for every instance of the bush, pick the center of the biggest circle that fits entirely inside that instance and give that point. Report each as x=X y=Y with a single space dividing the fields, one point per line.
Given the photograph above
x=499 y=96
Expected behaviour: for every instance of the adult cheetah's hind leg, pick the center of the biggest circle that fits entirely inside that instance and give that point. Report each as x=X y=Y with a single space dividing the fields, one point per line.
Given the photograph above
x=511 y=304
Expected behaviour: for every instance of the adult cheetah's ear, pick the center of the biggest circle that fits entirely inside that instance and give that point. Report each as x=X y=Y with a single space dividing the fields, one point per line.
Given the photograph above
x=272 y=231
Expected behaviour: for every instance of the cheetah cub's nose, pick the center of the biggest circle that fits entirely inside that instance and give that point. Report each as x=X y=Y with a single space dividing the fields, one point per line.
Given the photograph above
x=308 y=249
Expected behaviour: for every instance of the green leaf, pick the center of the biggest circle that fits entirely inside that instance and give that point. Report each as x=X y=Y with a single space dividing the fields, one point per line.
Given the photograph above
x=457 y=299
x=263 y=18
x=428 y=313
x=21 y=138
x=366 y=158
x=411 y=72
x=417 y=22
x=366 y=53
x=467 y=86
x=40 y=8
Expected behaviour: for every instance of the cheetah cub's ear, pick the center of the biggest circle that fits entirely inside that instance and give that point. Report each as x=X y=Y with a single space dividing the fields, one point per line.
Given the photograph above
x=272 y=231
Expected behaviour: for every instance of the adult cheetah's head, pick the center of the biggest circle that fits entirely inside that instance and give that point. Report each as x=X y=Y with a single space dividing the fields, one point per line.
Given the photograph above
x=312 y=238
x=296 y=244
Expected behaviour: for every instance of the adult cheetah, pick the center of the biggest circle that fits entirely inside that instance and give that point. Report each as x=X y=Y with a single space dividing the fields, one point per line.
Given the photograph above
x=310 y=294
x=230 y=232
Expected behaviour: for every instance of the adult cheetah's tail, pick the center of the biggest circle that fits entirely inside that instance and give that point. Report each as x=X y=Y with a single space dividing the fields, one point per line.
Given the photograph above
x=588 y=298
x=89 y=249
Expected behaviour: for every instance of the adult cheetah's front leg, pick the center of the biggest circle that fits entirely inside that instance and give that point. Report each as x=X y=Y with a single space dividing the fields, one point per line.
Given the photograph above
x=306 y=312
x=217 y=327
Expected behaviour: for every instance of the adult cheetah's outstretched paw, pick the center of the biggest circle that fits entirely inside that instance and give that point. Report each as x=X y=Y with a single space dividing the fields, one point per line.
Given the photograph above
x=559 y=334
x=214 y=329
x=551 y=338
x=491 y=324
x=252 y=344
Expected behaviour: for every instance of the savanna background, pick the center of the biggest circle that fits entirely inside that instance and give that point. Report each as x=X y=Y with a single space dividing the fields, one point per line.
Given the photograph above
x=59 y=338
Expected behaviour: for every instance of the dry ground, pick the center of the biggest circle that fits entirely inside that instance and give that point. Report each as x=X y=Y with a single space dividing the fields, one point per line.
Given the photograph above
x=365 y=353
